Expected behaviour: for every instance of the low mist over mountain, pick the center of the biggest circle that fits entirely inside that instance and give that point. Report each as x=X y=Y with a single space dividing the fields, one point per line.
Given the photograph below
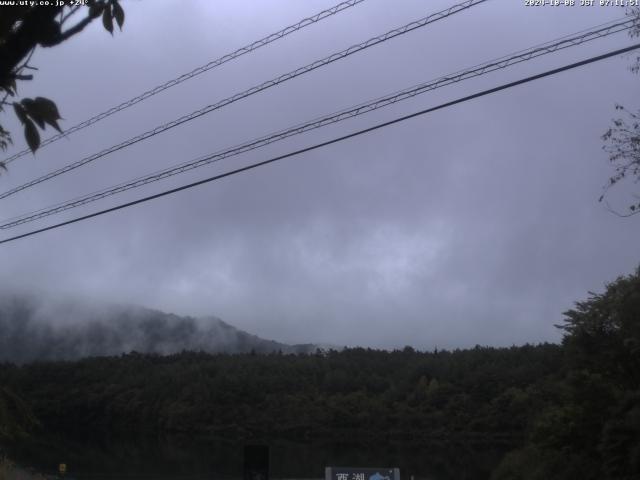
x=35 y=329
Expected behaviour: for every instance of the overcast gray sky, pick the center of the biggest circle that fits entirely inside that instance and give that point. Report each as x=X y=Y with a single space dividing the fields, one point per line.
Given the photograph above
x=478 y=224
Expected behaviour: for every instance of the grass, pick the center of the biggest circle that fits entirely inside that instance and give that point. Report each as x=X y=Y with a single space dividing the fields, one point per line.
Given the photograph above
x=5 y=468
x=8 y=471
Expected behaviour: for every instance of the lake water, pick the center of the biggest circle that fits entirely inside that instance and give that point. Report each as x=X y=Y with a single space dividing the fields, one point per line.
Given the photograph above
x=104 y=457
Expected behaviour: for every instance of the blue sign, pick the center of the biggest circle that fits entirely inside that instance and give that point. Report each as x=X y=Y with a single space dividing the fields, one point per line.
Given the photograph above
x=350 y=473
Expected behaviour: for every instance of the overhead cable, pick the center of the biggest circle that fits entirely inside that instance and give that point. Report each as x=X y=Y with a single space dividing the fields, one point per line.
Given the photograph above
x=328 y=142
x=195 y=72
x=490 y=66
x=263 y=86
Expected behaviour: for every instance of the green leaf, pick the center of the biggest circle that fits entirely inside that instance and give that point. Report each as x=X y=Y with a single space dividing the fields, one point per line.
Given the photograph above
x=32 y=135
x=33 y=110
x=107 y=19
x=95 y=9
x=48 y=110
x=20 y=113
x=118 y=14
x=42 y=111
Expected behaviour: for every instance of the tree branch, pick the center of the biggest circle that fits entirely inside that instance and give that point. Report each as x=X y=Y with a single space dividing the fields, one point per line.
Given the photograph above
x=77 y=28
x=72 y=10
x=621 y=215
x=38 y=27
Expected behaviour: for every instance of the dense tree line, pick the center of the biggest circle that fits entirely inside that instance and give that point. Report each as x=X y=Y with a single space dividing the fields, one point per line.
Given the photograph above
x=590 y=427
x=16 y=418
x=483 y=392
x=566 y=411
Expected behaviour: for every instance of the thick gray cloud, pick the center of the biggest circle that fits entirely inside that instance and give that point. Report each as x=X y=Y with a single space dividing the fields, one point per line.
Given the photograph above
x=476 y=224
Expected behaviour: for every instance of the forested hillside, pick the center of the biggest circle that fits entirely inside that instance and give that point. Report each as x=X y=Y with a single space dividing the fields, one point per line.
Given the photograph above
x=33 y=329
x=566 y=411
x=484 y=391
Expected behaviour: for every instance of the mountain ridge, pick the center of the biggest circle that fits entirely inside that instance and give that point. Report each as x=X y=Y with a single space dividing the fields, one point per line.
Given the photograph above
x=34 y=329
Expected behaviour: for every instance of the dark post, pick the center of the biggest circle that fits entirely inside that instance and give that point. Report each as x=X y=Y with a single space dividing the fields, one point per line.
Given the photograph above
x=256 y=462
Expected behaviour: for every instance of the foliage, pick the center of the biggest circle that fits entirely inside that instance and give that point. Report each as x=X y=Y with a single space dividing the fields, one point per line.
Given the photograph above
x=486 y=394
x=591 y=429
x=23 y=28
x=603 y=332
x=620 y=445
x=623 y=147
x=5 y=468
x=16 y=419
x=634 y=13
x=532 y=463
x=622 y=140
x=565 y=411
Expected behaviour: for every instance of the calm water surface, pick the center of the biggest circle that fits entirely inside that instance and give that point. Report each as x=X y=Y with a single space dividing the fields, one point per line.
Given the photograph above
x=103 y=457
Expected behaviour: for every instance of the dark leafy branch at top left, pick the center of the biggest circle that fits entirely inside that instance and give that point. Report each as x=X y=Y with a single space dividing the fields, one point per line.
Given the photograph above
x=22 y=30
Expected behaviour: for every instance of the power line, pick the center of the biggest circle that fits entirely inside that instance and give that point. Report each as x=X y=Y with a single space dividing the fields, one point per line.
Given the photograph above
x=197 y=71
x=329 y=142
x=263 y=86
x=487 y=67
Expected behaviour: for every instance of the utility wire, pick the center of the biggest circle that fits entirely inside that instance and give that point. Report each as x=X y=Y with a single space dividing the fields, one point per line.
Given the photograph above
x=490 y=66
x=263 y=86
x=329 y=142
x=197 y=71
